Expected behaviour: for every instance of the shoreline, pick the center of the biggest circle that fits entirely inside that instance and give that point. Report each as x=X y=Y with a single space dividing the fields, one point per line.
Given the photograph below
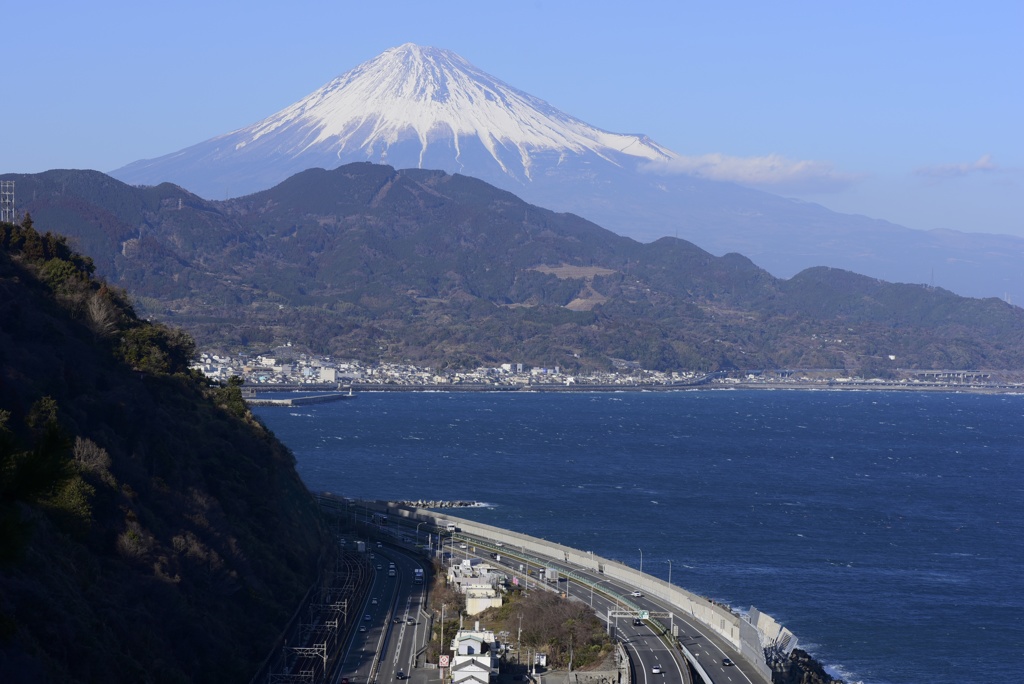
x=844 y=386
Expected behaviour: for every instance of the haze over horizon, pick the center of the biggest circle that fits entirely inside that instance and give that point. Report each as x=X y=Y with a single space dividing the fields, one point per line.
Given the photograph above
x=906 y=113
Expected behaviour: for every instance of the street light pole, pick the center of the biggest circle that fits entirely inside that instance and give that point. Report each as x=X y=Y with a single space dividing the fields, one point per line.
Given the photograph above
x=669 y=571
x=418 y=533
x=592 y=590
x=441 y=647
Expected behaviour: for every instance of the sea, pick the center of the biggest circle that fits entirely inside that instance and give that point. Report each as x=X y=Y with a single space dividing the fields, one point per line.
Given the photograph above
x=884 y=529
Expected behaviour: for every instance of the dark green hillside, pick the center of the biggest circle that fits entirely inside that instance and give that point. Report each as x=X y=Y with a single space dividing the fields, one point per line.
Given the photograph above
x=150 y=528
x=444 y=270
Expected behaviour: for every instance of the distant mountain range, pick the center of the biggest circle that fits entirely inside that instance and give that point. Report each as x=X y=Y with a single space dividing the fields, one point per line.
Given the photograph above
x=371 y=263
x=421 y=107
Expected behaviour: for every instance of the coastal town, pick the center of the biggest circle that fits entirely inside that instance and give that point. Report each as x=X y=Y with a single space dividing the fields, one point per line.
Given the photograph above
x=287 y=370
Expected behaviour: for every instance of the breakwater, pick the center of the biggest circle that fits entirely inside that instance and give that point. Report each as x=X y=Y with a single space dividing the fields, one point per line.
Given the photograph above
x=301 y=401
x=422 y=503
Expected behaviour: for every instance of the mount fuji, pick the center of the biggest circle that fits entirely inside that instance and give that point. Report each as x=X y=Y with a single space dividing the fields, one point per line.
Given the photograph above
x=424 y=107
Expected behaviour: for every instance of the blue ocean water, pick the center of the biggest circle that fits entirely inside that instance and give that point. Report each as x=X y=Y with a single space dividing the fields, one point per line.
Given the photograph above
x=885 y=529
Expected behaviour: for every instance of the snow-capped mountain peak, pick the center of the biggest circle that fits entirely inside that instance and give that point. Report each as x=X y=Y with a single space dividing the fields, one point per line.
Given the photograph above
x=435 y=97
x=411 y=106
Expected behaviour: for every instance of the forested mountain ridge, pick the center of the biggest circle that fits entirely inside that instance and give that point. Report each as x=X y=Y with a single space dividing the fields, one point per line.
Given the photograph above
x=372 y=263
x=150 y=528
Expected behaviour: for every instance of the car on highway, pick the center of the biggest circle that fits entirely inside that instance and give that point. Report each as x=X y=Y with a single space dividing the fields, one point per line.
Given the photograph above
x=638 y=622
x=727 y=662
x=411 y=621
x=656 y=669
x=637 y=594
x=379 y=566
x=374 y=600
x=463 y=546
x=399 y=675
x=362 y=628
x=398 y=620
x=367 y=617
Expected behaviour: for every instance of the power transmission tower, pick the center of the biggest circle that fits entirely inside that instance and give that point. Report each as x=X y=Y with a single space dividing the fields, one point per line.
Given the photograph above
x=7 y=201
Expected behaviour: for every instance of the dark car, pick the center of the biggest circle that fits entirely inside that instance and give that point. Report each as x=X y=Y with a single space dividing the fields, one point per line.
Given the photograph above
x=726 y=662
x=367 y=617
x=399 y=675
x=638 y=622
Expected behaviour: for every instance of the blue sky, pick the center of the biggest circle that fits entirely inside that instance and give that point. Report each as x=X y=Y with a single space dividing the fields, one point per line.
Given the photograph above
x=906 y=111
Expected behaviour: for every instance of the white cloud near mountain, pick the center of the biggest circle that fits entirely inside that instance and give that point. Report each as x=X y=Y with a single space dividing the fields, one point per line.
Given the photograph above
x=771 y=172
x=983 y=164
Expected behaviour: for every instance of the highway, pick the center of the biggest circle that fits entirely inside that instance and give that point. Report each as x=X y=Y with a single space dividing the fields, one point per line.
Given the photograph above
x=664 y=639
x=644 y=643
x=391 y=626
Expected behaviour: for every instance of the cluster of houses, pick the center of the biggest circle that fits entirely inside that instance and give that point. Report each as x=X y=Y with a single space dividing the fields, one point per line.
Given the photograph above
x=475 y=659
x=304 y=369
x=479 y=583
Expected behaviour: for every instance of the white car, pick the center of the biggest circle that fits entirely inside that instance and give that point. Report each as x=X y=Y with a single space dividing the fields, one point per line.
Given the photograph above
x=637 y=594
x=656 y=669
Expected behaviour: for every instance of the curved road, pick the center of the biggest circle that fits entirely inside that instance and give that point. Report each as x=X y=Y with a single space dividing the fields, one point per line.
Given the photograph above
x=708 y=649
x=397 y=642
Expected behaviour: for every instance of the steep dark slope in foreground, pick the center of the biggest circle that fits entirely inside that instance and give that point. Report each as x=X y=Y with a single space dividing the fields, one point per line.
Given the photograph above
x=150 y=528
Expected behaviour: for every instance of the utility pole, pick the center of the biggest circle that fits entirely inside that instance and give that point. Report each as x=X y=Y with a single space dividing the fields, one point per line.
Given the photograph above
x=519 y=638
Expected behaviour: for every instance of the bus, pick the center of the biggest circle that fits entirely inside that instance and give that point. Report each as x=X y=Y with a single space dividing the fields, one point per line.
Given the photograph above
x=380 y=519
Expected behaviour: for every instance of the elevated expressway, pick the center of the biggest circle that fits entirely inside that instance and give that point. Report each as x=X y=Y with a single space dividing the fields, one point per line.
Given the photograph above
x=676 y=624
